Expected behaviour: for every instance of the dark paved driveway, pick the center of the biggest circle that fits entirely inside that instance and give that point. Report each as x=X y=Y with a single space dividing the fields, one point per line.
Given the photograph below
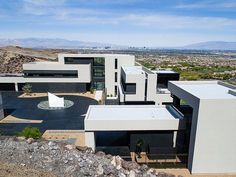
x=26 y=108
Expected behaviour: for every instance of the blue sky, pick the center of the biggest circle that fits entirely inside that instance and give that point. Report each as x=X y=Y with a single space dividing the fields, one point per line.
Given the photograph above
x=153 y=23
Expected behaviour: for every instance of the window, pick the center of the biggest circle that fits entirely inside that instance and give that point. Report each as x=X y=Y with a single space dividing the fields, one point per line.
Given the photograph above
x=116 y=63
x=78 y=60
x=115 y=76
x=99 y=61
x=129 y=88
x=98 y=72
x=115 y=90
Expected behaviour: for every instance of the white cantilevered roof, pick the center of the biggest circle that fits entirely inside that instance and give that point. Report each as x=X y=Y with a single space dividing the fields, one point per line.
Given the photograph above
x=136 y=117
x=206 y=89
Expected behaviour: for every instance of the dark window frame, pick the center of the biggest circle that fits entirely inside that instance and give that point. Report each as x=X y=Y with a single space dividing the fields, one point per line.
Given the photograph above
x=116 y=63
x=116 y=77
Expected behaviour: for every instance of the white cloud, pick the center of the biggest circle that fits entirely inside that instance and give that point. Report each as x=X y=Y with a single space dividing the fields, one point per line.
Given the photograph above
x=41 y=7
x=179 y=22
x=57 y=12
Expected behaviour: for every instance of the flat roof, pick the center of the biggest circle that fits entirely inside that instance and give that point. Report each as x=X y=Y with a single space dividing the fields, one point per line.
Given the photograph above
x=91 y=55
x=132 y=117
x=134 y=112
x=207 y=89
x=165 y=72
x=133 y=69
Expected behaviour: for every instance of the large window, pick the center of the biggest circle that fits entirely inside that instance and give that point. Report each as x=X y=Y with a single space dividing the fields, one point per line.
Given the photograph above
x=78 y=60
x=129 y=88
x=162 y=79
x=51 y=73
x=99 y=61
x=99 y=85
x=98 y=72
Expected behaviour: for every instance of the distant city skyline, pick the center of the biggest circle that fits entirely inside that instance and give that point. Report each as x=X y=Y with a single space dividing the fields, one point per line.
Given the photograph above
x=151 y=23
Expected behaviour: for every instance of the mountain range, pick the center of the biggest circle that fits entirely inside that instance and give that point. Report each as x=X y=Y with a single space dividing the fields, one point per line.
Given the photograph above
x=73 y=44
x=53 y=43
x=212 y=45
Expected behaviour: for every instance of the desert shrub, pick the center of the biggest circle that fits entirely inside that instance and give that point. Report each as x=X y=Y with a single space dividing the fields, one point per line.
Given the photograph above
x=27 y=89
x=92 y=90
x=30 y=132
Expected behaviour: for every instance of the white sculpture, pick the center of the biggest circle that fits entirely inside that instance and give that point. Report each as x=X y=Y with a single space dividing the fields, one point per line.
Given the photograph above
x=55 y=101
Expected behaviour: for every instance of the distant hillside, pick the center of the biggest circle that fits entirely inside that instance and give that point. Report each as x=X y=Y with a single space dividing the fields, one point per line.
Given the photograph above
x=53 y=43
x=212 y=45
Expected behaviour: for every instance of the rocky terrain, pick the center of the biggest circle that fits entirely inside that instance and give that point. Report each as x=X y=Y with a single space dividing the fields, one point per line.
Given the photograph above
x=62 y=160
x=12 y=58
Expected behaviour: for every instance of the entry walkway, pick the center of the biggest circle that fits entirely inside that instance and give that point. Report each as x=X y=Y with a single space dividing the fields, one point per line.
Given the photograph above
x=76 y=137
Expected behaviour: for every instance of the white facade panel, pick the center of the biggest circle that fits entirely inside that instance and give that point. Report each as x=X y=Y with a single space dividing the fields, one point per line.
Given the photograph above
x=212 y=140
x=122 y=60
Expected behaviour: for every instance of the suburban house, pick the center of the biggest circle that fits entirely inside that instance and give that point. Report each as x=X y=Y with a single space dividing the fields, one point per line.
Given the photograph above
x=154 y=114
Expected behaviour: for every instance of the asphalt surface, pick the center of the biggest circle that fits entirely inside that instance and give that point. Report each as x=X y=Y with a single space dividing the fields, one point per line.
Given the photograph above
x=26 y=108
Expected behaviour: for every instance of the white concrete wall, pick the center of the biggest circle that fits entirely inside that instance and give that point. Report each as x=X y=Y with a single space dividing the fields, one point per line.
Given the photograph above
x=212 y=140
x=139 y=79
x=215 y=141
x=152 y=94
x=132 y=125
x=123 y=60
x=84 y=73
x=90 y=140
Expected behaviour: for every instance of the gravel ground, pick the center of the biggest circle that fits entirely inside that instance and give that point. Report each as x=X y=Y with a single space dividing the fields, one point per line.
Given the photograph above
x=65 y=160
x=12 y=170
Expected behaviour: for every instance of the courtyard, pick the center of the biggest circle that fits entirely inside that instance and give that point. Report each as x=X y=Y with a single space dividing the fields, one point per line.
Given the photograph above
x=22 y=111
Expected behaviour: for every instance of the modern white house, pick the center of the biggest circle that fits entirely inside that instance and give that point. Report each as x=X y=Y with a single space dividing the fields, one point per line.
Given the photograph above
x=197 y=118
x=71 y=73
x=205 y=125
x=112 y=73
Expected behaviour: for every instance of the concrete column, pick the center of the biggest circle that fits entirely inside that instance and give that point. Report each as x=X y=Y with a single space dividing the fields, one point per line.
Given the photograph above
x=90 y=140
x=174 y=138
x=16 y=87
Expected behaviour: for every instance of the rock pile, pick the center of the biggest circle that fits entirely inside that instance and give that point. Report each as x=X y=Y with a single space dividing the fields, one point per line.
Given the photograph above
x=68 y=160
x=12 y=63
